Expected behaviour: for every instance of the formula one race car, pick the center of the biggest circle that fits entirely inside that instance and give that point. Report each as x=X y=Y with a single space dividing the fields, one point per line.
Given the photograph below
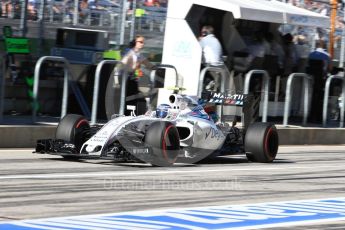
x=179 y=131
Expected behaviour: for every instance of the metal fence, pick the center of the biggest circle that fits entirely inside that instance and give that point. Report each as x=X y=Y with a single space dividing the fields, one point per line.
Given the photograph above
x=307 y=80
x=325 y=100
x=116 y=16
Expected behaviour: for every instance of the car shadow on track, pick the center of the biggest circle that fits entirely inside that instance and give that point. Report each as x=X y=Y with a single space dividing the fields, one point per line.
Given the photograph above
x=238 y=159
x=219 y=160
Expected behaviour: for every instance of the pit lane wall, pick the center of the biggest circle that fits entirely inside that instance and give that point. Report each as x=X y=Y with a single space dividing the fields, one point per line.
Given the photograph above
x=25 y=136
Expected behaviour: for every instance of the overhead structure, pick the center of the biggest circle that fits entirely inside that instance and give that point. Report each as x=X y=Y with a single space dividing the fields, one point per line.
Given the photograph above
x=298 y=16
x=184 y=19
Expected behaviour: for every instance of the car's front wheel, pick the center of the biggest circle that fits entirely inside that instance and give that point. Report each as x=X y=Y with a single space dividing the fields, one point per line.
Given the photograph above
x=73 y=129
x=164 y=140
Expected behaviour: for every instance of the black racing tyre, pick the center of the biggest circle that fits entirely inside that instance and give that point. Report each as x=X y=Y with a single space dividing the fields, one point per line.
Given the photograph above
x=261 y=142
x=73 y=129
x=163 y=138
x=112 y=97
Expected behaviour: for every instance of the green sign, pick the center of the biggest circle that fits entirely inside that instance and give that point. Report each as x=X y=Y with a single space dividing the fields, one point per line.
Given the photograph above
x=17 y=45
x=112 y=54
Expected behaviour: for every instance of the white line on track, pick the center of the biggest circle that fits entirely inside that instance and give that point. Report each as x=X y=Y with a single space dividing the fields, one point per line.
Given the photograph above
x=282 y=146
x=98 y=174
x=140 y=173
x=17 y=150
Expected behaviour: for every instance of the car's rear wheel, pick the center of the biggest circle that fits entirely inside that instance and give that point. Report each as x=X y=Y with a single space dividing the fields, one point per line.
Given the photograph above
x=164 y=140
x=73 y=129
x=261 y=142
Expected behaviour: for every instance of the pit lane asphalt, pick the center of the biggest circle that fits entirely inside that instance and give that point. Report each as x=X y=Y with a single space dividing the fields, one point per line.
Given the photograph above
x=39 y=186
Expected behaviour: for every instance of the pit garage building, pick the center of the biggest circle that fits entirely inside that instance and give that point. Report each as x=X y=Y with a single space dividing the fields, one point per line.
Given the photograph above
x=231 y=18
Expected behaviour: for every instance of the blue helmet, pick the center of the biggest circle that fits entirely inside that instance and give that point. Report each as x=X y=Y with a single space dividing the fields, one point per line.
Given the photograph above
x=162 y=110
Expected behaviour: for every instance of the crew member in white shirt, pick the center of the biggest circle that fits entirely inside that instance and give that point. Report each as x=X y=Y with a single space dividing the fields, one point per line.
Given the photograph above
x=212 y=55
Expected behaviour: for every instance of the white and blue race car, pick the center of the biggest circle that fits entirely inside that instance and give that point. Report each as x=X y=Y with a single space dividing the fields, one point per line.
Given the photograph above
x=178 y=131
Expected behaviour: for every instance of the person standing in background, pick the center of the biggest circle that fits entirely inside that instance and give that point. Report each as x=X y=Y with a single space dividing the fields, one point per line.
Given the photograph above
x=83 y=10
x=320 y=53
x=211 y=55
x=318 y=66
x=131 y=64
x=211 y=47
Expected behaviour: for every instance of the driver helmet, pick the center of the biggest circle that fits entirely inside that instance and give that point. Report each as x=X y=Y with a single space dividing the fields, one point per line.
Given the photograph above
x=162 y=110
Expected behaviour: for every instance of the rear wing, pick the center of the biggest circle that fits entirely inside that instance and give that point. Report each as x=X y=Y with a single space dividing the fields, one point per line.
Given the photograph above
x=236 y=99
